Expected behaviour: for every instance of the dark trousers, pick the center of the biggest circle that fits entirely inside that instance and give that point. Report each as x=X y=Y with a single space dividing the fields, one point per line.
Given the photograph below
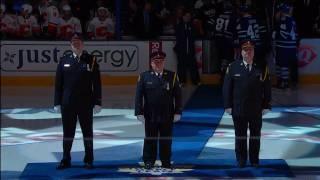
x=157 y=132
x=70 y=114
x=241 y=125
x=188 y=63
x=286 y=61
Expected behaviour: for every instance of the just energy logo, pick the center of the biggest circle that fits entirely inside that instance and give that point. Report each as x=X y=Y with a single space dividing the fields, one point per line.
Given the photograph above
x=18 y=59
x=44 y=57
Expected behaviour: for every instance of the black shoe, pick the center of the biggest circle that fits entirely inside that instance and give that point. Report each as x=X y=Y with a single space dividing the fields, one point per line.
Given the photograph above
x=63 y=165
x=88 y=165
x=256 y=165
x=166 y=165
x=148 y=165
x=241 y=164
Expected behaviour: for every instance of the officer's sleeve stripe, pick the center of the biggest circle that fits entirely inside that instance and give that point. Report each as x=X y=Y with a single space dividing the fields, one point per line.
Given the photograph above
x=94 y=60
x=266 y=72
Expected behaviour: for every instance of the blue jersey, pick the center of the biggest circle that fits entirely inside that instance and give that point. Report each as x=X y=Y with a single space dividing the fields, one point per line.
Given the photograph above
x=207 y=13
x=248 y=28
x=225 y=26
x=286 y=33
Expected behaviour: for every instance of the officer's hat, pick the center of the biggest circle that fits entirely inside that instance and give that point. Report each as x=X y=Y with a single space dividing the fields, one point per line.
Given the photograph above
x=157 y=55
x=246 y=44
x=76 y=36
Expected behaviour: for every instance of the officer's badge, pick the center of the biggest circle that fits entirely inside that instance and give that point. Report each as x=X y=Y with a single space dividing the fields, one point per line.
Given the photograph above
x=168 y=86
x=237 y=75
x=66 y=65
x=149 y=82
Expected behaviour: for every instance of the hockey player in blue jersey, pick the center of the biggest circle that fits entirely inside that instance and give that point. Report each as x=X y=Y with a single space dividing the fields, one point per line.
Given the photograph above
x=225 y=29
x=248 y=27
x=286 y=48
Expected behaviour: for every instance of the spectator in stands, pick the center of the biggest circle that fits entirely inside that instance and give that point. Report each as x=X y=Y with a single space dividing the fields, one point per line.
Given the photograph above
x=146 y=24
x=81 y=9
x=49 y=18
x=109 y=4
x=68 y=25
x=164 y=12
x=102 y=26
x=7 y=24
x=305 y=12
x=63 y=3
x=185 y=50
x=28 y=26
x=179 y=14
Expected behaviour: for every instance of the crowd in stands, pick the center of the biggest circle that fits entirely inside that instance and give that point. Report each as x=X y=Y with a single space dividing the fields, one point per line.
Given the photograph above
x=143 y=19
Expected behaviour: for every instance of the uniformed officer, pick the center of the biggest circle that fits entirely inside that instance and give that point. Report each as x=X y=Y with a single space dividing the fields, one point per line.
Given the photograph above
x=78 y=96
x=247 y=96
x=158 y=105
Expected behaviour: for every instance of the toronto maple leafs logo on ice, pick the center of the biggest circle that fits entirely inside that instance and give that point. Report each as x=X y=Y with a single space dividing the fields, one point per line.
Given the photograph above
x=156 y=171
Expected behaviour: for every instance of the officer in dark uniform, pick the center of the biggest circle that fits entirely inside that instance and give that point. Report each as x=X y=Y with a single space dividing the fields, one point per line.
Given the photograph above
x=77 y=96
x=185 y=49
x=247 y=96
x=158 y=105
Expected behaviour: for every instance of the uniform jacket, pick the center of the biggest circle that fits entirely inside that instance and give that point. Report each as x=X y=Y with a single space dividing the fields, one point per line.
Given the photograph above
x=158 y=99
x=77 y=81
x=247 y=93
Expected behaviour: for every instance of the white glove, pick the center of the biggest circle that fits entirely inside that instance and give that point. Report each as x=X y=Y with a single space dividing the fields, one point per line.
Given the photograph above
x=57 y=108
x=265 y=111
x=228 y=110
x=176 y=117
x=96 y=109
x=141 y=118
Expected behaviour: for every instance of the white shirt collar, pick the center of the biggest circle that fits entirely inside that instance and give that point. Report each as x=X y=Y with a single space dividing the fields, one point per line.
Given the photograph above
x=245 y=64
x=157 y=74
x=75 y=55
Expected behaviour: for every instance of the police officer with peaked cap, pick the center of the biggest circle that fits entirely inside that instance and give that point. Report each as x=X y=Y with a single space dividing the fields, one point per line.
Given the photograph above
x=158 y=105
x=247 y=96
x=77 y=96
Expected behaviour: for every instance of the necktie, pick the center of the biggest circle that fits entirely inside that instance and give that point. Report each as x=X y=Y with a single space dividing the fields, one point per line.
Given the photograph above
x=159 y=75
x=248 y=67
x=77 y=58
